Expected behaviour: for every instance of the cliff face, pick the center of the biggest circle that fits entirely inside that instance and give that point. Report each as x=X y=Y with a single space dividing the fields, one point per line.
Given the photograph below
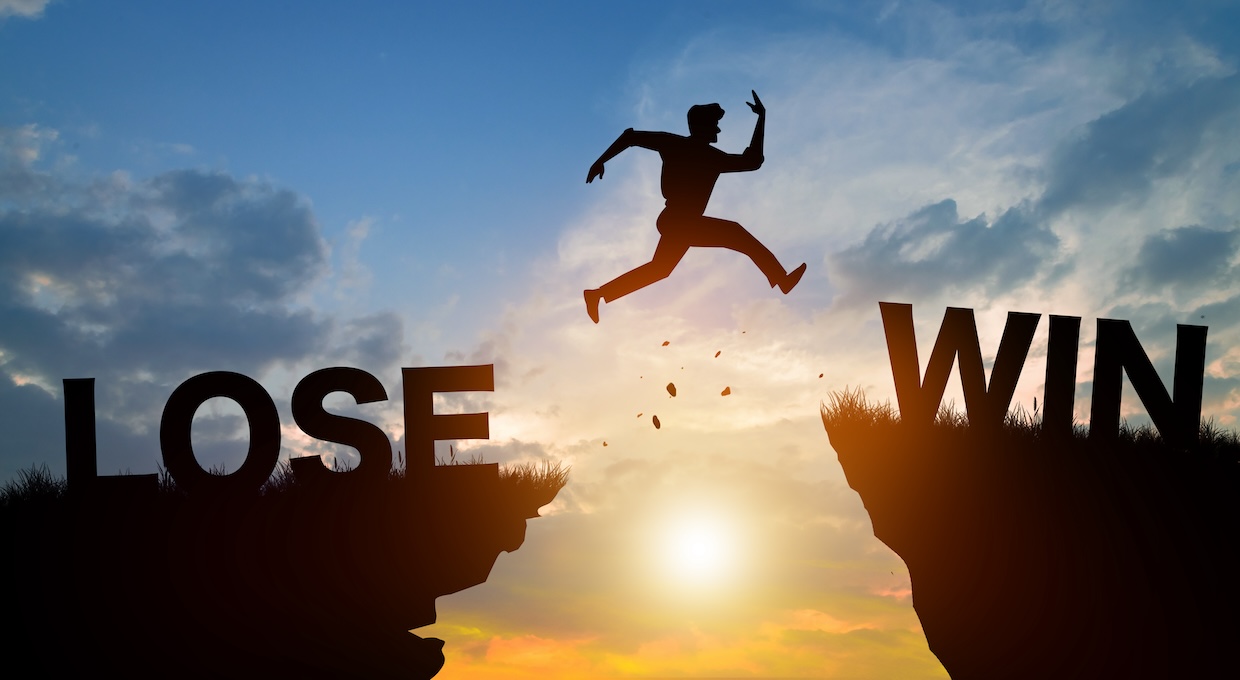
x=312 y=582
x=1032 y=558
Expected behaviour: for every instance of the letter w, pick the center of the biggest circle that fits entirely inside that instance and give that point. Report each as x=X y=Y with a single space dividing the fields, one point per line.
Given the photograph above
x=919 y=400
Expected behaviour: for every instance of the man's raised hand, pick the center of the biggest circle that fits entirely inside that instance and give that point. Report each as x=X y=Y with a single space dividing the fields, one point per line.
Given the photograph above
x=596 y=170
x=756 y=106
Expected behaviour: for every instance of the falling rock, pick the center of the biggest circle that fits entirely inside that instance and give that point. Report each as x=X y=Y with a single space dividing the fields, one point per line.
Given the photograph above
x=666 y=343
x=718 y=353
x=655 y=419
x=671 y=389
x=726 y=391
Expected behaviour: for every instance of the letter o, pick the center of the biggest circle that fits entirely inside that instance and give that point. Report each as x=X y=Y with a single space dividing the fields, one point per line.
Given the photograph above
x=177 y=445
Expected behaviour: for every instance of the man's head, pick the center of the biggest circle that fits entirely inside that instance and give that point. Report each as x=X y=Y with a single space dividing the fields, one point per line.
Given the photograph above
x=704 y=121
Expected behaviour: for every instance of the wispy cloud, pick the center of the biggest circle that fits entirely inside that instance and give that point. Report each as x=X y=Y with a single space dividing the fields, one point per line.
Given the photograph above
x=26 y=9
x=143 y=283
x=1185 y=258
x=1047 y=157
x=935 y=250
x=974 y=168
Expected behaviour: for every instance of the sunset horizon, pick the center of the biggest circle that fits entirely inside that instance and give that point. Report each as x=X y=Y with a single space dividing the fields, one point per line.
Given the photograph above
x=271 y=191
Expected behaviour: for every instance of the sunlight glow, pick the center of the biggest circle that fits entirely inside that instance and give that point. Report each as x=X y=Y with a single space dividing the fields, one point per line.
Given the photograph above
x=699 y=551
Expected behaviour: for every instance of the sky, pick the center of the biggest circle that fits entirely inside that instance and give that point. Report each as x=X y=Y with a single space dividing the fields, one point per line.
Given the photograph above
x=272 y=188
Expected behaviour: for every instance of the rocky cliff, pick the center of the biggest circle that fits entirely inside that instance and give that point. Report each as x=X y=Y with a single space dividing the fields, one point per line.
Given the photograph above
x=1036 y=557
x=312 y=580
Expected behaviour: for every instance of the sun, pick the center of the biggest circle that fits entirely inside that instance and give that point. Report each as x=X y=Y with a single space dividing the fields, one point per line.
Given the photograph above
x=698 y=551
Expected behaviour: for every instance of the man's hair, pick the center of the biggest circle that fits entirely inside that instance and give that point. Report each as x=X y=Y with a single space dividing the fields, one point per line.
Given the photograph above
x=704 y=115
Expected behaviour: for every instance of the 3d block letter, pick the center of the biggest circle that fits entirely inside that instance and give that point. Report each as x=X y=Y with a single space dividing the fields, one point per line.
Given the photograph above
x=1118 y=351
x=919 y=400
x=81 y=464
x=178 y=447
x=1059 y=393
x=371 y=442
x=80 y=460
x=423 y=427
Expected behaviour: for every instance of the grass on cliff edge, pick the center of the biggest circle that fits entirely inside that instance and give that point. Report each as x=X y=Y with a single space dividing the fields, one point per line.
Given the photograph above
x=530 y=482
x=848 y=411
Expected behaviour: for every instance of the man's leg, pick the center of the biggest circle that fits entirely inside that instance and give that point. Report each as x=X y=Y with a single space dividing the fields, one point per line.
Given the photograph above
x=667 y=254
x=717 y=233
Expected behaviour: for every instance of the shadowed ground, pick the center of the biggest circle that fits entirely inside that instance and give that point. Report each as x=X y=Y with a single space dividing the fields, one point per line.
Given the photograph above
x=1035 y=557
x=301 y=580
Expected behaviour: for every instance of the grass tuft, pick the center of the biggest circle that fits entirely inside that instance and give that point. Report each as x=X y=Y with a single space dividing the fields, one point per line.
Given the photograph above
x=848 y=411
x=32 y=487
x=530 y=482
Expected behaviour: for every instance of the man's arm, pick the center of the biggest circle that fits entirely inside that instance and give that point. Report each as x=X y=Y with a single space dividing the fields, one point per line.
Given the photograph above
x=752 y=157
x=630 y=137
x=753 y=154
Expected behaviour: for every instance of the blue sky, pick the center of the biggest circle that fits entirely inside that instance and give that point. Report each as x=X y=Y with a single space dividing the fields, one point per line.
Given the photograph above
x=273 y=188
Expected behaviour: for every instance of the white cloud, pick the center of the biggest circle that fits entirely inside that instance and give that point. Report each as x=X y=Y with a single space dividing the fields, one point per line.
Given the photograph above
x=1049 y=180
x=142 y=283
x=354 y=274
x=27 y=9
x=892 y=169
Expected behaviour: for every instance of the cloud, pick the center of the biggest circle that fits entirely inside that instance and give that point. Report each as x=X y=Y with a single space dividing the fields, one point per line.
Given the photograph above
x=1185 y=257
x=1120 y=155
x=353 y=272
x=987 y=162
x=934 y=249
x=41 y=430
x=20 y=148
x=778 y=648
x=962 y=153
x=372 y=340
x=1000 y=174
x=1094 y=240
x=142 y=284
x=1224 y=313
x=805 y=577
x=27 y=9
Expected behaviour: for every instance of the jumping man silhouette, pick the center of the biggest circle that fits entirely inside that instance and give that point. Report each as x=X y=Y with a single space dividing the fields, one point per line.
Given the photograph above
x=690 y=168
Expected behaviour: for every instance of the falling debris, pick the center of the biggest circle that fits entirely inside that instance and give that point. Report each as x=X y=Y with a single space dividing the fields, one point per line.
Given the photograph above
x=666 y=343
x=604 y=443
x=726 y=391
x=655 y=419
x=639 y=415
x=718 y=353
x=819 y=375
x=671 y=389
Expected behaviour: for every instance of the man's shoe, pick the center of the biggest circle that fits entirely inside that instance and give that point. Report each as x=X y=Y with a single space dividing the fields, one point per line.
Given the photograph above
x=792 y=279
x=592 y=300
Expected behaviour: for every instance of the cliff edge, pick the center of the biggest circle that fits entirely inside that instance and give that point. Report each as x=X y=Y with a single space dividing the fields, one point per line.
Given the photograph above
x=302 y=580
x=1037 y=557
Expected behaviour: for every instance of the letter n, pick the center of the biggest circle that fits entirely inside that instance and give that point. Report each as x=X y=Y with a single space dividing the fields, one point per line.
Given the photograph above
x=919 y=400
x=1117 y=351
